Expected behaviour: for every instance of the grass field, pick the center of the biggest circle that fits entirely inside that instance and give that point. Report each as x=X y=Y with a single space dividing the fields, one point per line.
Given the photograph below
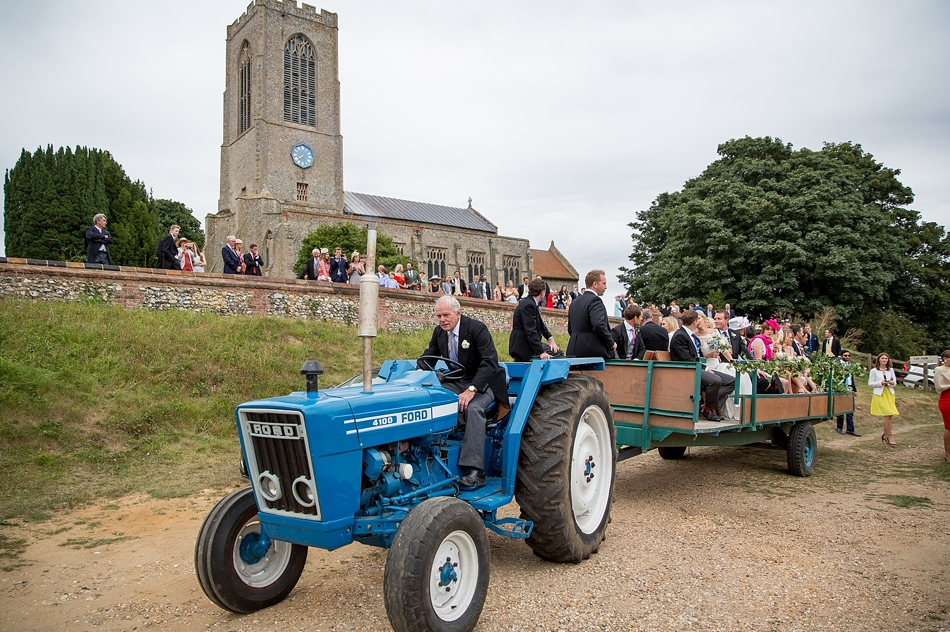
x=97 y=401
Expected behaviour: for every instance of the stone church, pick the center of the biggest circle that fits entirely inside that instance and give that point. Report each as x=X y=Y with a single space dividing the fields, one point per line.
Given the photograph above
x=282 y=162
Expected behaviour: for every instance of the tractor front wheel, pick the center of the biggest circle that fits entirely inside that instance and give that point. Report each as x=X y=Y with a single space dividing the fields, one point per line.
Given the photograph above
x=566 y=469
x=436 y=575
x=233 y=570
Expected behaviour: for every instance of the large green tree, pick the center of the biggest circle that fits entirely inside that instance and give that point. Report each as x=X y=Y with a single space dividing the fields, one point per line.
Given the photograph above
x=786 y=231
x=349 y=237
x=50 y=197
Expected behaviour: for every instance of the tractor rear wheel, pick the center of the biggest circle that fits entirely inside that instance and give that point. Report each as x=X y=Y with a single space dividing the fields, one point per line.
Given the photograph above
x=436 y=575
x=230 y=571
x=566 y=469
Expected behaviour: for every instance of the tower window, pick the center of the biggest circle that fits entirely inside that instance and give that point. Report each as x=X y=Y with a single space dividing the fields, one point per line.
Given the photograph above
x=303 y=192
x=245 y=109
x=300 y=82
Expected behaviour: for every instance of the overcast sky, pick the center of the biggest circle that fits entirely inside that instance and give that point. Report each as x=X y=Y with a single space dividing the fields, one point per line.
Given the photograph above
x=560 y=119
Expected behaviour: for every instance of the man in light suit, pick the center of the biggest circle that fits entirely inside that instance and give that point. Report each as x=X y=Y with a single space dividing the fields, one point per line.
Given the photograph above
x=684 y=347
x=587 y=321
x=468 y=342
x=312 y=269
x=232 y=260
x=167 y=251
x=528 y=329
x=98 y=240
x=629 y=343
x=412 y=277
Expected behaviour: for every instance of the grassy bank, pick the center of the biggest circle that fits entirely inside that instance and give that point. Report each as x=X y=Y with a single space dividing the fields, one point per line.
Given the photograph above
x=98 y=401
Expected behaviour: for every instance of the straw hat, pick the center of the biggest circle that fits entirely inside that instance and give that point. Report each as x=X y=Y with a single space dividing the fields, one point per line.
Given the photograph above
x=181 y=241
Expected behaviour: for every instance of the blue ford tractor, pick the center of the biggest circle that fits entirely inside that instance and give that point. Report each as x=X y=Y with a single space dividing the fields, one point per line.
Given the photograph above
x=377 y=463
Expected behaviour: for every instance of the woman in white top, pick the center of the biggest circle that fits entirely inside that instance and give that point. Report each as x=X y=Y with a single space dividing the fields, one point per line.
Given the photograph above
x=942 y=383
x=882 y=379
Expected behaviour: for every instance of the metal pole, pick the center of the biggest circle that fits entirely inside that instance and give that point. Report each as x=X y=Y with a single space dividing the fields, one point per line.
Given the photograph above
x=369 y=310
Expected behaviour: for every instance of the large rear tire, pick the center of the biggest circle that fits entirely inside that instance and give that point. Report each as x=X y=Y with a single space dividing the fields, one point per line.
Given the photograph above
x=566 y=469
x=436 y=575
x=802 y=449
x=230 y=572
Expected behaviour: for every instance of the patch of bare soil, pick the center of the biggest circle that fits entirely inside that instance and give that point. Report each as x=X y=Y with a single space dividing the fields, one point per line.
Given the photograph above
x=723 y=539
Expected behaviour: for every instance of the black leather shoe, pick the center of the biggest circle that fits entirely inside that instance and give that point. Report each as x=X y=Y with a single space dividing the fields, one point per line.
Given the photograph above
x=839 y=430
x=473 y=479
x=711 y=416
x=853 y=433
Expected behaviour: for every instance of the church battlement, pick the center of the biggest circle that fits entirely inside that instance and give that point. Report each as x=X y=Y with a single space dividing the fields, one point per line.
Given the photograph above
x=305 y=11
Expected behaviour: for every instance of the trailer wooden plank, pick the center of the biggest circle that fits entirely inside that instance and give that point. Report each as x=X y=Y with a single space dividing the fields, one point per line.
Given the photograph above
x=672 y=390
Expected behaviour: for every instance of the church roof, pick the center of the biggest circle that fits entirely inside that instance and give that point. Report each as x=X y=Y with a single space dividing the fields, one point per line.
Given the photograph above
x=391 y=208
x=551 y=264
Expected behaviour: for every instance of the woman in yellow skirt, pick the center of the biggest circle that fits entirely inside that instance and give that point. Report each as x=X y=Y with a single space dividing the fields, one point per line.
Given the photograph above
x=882 y=379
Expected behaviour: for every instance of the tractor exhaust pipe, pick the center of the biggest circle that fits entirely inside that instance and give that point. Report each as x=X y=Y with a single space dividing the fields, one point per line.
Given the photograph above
x=369 y=310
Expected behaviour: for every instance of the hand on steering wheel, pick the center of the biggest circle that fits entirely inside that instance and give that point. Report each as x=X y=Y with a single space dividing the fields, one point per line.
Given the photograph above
x=455 y=372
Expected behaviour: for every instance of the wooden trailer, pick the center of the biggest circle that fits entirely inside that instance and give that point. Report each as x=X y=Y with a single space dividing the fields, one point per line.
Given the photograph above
x=656 y=404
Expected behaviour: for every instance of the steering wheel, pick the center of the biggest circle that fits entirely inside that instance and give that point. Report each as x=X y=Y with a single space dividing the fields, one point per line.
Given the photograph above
x=456 y=369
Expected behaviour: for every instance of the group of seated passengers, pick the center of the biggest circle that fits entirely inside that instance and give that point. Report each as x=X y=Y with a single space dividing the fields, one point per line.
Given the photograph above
x=771 y=341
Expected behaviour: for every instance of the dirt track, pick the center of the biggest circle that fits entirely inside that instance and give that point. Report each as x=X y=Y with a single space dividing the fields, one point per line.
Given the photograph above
x=722 y=540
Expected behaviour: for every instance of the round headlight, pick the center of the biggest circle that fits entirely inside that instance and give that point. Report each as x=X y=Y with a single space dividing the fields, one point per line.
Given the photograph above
x=270 y=486
x=303 y=491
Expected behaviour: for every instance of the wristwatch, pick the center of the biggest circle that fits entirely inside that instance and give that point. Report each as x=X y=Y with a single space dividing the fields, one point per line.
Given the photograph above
x=473 y=389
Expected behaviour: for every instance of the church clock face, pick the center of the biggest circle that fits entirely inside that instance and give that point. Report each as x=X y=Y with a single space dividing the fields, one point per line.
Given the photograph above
x=302 y=155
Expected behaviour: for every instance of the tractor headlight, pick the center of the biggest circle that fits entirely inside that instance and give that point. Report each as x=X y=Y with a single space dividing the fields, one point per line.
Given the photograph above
x=269 y=485
x=303 y=491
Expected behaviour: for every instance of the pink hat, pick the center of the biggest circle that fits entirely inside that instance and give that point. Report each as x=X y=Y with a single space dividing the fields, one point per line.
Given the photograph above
x=773 y=324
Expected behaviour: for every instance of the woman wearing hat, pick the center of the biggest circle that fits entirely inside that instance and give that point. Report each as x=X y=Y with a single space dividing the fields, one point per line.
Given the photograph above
x=323 y=265
x=185 y=255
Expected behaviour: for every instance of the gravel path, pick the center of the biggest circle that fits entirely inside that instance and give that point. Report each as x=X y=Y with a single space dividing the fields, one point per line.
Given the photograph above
x=721 y=540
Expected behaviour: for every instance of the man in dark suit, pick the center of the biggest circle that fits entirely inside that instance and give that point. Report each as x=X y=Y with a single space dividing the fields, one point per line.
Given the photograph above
x=830 y=345
x=338 y=266
x=468 y=342
x=654 y=337
x=528 y=329
x=798 y=338
x=684 y=347
x=312 y=269
x=523 y=289
x=167 y=251
x=459 y=286
x=232 y=260
x=253 y=262
x=98 y=240
x=587 y=321
x=738 y=349
x=849 y=383
x=811 y=341
x=629 y=342
x=412 y=277
x=731 y=313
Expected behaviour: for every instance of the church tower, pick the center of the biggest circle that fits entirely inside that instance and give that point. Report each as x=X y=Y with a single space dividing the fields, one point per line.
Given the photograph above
x=282 y=155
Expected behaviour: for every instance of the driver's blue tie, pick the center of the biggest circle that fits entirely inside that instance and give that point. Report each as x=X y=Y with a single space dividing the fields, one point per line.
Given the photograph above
x=453 y=347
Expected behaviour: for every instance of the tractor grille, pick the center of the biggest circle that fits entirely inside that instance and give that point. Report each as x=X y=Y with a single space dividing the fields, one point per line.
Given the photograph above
x=278 y=444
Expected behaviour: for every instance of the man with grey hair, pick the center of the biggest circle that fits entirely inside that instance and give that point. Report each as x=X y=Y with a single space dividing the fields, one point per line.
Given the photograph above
x=232 y=260
x=98 y=240
x=312 y=267
x=467 y=343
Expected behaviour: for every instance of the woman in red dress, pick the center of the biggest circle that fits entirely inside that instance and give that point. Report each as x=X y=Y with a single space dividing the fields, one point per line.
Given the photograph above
x=942 y=382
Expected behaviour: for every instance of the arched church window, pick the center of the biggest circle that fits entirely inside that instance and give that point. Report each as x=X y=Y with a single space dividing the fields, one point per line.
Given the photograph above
x=476 y=265
x=300 y=82
x=435 y=262
x=244 y=63
x=512 y=271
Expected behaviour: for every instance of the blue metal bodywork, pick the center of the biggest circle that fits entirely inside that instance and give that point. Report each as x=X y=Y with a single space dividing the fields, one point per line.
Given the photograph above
x=369 y=458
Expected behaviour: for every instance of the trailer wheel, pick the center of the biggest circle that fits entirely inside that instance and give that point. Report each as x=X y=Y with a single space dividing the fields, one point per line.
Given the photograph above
x=566 y=469
x=437 y=572
x=672 y=453
x=230 y=572
x=802 y=449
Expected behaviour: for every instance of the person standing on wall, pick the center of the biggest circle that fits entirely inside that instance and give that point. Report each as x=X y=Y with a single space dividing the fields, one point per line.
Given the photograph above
x=167 y=251
x=98 y=240
x=882 y=379
x=942 y=384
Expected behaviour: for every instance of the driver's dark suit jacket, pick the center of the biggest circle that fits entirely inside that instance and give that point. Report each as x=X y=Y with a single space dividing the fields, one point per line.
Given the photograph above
x=480 y=359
